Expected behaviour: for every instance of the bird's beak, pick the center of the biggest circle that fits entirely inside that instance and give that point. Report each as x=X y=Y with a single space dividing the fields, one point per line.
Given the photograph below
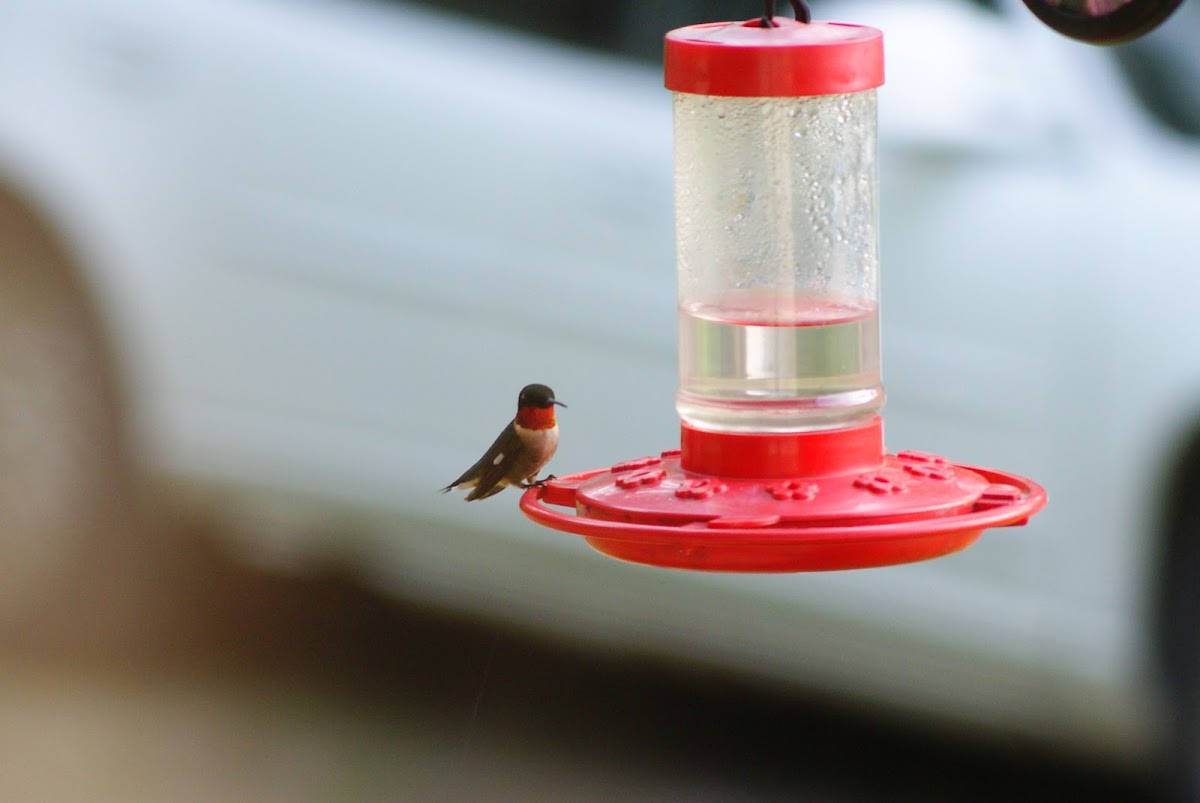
x=556 y=401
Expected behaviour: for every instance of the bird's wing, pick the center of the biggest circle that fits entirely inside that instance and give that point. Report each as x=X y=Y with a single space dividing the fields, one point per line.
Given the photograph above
x=491 y=468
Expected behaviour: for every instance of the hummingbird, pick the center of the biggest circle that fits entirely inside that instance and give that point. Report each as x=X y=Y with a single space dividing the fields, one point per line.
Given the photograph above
x=520 y=451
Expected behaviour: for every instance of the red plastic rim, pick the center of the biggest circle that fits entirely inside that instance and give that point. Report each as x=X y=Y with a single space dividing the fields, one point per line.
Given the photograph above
x=795 y=59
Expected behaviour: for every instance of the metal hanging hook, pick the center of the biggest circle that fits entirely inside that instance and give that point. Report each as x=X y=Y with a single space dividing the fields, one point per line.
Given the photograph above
x=799 y=7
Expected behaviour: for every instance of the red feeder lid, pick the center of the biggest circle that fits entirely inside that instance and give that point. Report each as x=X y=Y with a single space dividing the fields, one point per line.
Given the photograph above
x=783 y=503
x=795 y=59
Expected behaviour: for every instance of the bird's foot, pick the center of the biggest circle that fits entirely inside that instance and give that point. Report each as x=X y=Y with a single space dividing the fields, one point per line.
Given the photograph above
x=539 y=483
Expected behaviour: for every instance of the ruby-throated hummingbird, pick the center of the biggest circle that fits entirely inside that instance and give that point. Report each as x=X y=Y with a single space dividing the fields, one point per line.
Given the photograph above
x=525 y=445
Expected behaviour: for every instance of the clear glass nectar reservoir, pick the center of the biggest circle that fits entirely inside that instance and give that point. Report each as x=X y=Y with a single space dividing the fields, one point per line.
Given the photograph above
x=776 y=229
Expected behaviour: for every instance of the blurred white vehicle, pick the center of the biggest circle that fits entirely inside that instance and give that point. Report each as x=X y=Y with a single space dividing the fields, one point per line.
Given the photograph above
x=292 y=260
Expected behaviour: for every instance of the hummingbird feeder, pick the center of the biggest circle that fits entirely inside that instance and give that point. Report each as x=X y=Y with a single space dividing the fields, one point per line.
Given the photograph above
x=781 y=465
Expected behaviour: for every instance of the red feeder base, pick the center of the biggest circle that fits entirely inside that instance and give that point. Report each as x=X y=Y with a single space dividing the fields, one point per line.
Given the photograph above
x=783 y=503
